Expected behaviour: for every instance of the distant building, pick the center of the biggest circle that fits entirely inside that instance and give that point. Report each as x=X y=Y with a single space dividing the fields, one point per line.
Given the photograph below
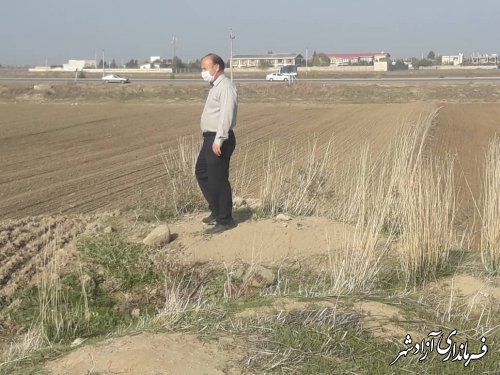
x=343 y=59
x=453 y=60
x=75 y=65
x=379 y=60
x=150 y=65
x=152 y=59
x=272 y=60
x=484 y=59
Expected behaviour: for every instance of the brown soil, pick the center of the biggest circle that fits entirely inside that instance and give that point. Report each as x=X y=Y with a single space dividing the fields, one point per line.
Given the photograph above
x=464 y=132
x=62 y=158
x=267 y=241
x=148 y=354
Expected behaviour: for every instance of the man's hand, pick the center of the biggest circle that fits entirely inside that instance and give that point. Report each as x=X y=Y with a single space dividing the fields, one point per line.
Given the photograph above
x=216 y=149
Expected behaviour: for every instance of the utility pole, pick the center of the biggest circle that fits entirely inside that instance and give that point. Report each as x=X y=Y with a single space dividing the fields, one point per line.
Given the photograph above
x=231 y=38
x=174 y=44
x=306 y=62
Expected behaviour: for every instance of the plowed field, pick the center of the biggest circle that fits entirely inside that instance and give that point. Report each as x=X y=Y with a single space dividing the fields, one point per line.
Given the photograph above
x=63 y=158
x=464 y=131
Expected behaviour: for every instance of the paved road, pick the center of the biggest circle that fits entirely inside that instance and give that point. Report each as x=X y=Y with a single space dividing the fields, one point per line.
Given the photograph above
x=256 y=80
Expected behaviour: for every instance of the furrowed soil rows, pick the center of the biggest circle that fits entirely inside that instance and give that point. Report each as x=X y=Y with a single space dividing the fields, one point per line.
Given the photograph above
x=62 y=158
x=464 y=131
x=27 y=245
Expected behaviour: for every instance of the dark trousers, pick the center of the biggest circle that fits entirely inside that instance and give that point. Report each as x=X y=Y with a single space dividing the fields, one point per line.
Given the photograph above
x=212 y=174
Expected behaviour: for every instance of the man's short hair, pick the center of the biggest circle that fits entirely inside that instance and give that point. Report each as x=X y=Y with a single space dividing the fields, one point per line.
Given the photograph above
x=216 y=59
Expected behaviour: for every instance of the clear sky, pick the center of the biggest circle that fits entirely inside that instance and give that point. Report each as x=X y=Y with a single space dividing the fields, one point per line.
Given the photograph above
x=38 y=31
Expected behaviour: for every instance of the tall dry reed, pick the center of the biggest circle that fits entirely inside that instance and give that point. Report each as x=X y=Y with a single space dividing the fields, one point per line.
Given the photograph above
x=422 y=209
x=298 y=185
x=490 y=228
x=407 y=196
x=182 y=194
x=426 y=216
x=401 y=196
x=356 y=264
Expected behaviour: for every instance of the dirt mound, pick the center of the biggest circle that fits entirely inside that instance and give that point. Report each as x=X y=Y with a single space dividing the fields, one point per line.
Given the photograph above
x=382 y=319
x=476 y=290
x=146 y=354
x=266 y=241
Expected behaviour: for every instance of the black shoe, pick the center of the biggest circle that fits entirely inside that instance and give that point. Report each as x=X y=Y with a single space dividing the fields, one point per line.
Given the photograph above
x=219 y=228
x=209 y=220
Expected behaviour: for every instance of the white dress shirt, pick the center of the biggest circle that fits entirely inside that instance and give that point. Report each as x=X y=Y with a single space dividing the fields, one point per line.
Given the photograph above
x=221 y=108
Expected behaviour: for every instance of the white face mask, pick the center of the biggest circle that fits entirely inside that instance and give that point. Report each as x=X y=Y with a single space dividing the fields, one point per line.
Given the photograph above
x=205 y=74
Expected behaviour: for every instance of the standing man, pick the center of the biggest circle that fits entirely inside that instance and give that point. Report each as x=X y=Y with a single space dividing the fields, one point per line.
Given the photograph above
x=217 y=122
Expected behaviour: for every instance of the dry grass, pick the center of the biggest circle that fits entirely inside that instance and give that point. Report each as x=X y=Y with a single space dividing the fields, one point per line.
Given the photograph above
x=182 y=194
x=408 y=197
x=427 y=218
x=422 y=207
x=296 y=186
x=300 y=185
x=305 y=342
x=22 y=349
x=490 y=229
x=177 y=304
x=355 y=266
x=242 y=179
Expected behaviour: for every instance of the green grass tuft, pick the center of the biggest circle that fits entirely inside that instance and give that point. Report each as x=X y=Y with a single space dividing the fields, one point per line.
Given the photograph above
x=131 y=264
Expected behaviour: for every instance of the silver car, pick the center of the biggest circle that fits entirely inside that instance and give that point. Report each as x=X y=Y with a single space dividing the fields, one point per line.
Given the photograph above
x=115 y=78
x=277 y=77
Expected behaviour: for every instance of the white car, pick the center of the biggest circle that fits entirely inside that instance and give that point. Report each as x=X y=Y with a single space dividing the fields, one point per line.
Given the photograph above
x=115 y=78
x=277 y=77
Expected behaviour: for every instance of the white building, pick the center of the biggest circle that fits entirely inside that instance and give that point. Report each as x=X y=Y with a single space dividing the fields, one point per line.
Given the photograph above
x=152 y=59
x=342 y=59
x=78 y=65
x=484 y=59
x=379 y=60
x=272 y=60
x=452 y=60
